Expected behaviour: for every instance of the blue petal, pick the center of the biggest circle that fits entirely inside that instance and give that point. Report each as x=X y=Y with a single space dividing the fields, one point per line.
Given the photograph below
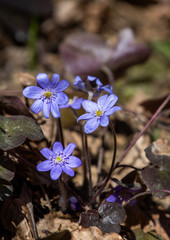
x=46 y=152
x=55 y=172
x=44 y=166
x=79 y=83
x=108 y=88
x=69 y=149
x=85 y=116
x=74 y=162
x=77 y=103
x=89 y=106
x=64 y=106
x=46 y=108
x=101 y=101
x=112 y=110
x=68 y=170
x=91 y=78
x=62 y=85
x=43 y=80
x=57 y=147
x=32 y=92
x=55 y=109
x=99 y=84
x=111 y=198
x=91 y=125
x=104 y=121
x=37 y=106
x=62 y=98
x=111 y=100
x=55 y=80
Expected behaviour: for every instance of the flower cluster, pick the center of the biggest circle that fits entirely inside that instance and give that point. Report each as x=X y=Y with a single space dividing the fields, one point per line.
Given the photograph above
x=99 y=112
x=92 y=84
x=58 y=160
x=49 y=96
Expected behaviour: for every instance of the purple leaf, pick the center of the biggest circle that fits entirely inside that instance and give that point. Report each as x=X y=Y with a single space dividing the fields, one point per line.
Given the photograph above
x=87 y=53
x=157 y=177
x=107 y=218
x=14 y=106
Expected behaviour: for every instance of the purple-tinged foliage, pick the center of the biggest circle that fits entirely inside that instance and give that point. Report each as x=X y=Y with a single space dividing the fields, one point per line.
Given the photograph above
x=157 y=176
x=59 y=160
x=87 y=53
x=98 y=113
x=49 y=96
x=92 y=84
x=107 y=218
x=74 y=103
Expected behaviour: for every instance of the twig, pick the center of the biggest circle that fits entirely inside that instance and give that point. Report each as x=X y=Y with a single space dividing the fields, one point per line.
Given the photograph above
x=145 y=193
x=142 y=131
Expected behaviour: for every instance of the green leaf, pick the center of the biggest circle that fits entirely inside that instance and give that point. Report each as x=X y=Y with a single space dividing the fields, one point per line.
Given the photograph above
x=15 y=130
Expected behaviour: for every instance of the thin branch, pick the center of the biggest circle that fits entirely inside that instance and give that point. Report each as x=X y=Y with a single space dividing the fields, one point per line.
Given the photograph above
x=145 y=193
x=142 y=131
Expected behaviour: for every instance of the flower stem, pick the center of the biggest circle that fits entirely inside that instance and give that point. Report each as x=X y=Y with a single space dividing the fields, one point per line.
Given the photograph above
x=83 y=149
x=100 y=157
x=105 y=181
x=63 y=193
x=60 y=129
x=88 y=165
x=142 y=131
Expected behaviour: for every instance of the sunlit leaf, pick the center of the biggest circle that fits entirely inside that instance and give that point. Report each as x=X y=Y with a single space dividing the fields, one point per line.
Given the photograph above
x=15 y=130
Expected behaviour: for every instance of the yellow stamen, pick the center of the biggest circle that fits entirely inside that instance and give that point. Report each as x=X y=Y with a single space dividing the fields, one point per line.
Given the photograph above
x=58 y=159
x=70 y=101
x=99 y=113
x=47 y=94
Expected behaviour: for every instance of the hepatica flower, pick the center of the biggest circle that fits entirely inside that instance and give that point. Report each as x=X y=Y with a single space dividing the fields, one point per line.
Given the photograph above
x=92 y=84
x=122 y=194
x=59 y=160
x=98 y=113
x=49 y=96
x=74 y=103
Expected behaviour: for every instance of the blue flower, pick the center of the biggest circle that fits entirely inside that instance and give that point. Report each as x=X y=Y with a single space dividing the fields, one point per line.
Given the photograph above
x=48 y=96
x=122 y=194
x=99 y=112
x=92 y=84
x=59 y=160
x=74 y=103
